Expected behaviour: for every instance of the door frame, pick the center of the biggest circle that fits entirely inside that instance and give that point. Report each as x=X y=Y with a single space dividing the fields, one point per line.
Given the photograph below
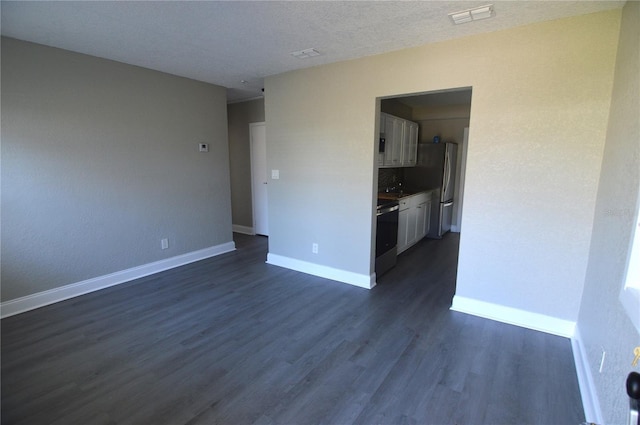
x=253 y=172
x=459 y=189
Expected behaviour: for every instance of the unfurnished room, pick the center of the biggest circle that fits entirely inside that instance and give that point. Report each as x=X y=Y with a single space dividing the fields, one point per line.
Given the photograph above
x=320 y=212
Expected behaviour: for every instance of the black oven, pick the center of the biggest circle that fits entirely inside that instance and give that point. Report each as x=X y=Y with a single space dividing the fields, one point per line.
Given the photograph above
x=386 y=235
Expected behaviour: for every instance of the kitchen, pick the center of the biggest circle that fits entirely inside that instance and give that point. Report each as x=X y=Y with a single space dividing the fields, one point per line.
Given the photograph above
x=421 y=161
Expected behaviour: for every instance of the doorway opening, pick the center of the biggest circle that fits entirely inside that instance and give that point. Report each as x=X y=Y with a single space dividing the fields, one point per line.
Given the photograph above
x=421 y=153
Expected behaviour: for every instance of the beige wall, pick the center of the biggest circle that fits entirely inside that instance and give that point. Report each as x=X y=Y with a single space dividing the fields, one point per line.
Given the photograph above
x=240 y=115
x=100 y=162
x=446 y=121
x=603 y=322
x=539 y=112
x=449 y=130
x=395 y=108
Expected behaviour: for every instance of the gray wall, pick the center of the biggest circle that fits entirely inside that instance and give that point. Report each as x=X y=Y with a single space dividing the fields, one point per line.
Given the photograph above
x=99 y=162
x=603 y=322
x=240 y=115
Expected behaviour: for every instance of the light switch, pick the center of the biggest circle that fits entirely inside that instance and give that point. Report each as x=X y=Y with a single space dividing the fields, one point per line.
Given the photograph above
x=203 y=147
x=275 y=174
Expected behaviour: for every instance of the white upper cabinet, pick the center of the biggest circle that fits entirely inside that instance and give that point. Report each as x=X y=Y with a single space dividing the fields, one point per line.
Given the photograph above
x=400 y=142
x=410 y=144
x=393 y=145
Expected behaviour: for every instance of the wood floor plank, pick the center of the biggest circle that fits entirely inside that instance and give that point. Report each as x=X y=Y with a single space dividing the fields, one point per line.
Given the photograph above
x=233 y=340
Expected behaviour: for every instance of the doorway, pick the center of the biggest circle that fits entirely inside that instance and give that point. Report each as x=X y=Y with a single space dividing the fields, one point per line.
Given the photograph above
x=444 y=114
x=442 y=118
x=259 y=189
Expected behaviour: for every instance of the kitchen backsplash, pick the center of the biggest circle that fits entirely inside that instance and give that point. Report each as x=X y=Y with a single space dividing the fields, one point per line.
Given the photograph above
x=388 y=178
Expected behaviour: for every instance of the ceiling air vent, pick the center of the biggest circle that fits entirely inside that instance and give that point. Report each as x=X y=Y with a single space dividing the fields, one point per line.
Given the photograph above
x=306 y=53
x=475 y=14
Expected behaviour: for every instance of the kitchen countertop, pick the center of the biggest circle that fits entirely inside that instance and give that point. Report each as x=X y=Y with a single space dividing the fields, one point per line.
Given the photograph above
x=394 y=196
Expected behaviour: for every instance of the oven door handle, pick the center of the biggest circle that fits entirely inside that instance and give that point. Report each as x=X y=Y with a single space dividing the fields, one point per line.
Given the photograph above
x=387 y=210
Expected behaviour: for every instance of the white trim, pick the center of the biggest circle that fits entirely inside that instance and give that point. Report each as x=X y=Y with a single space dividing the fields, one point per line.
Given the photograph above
x=41 y=299
x=459 y=195
x=590 y=401
x=245 y=230
x=514 y=316
x=356 y=279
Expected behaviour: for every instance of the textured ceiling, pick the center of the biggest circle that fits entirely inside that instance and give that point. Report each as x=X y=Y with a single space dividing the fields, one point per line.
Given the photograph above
x=224 y=42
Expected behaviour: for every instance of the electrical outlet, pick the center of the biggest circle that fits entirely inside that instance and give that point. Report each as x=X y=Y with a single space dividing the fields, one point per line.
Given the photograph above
x=164 y=243
x=275 y=174
x=314 y=248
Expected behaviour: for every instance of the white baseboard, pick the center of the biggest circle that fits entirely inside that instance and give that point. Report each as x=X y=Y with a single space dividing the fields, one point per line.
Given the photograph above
x=590 y=401
x=551 y=325
x=356 y=279
x=245 y=230
x=514 y=316
x=41 y=299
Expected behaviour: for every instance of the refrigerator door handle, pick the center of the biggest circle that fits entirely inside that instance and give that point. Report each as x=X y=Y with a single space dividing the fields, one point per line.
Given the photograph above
x=448 y=203
x=446 y=173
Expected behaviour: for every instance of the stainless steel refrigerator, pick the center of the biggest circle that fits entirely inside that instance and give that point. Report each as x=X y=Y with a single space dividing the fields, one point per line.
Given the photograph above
x=436 y=169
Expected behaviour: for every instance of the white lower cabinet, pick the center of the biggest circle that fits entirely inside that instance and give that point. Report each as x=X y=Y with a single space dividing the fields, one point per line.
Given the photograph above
x=413 y=221
x=423 y=216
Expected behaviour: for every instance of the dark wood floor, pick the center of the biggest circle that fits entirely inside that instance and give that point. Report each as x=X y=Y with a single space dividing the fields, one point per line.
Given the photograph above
x=232 y=340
